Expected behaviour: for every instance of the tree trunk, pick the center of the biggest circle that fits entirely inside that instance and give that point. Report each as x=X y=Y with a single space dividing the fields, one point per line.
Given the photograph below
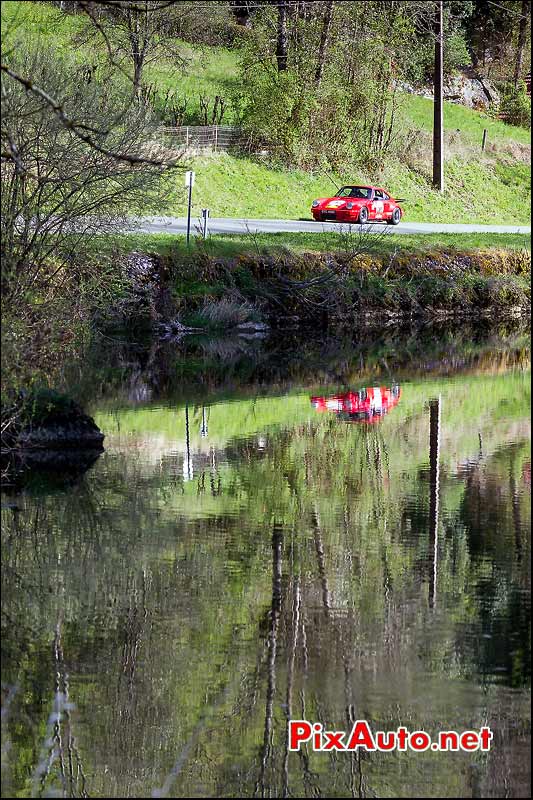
x=282 y=43
x=241 y=12
x=326 y=27
x=138 y=38
x=526 y=11
x=137 y=75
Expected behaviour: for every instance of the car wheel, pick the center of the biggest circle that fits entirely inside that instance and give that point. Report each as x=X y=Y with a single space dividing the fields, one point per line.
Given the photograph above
x=396 y=217
x=363 y=216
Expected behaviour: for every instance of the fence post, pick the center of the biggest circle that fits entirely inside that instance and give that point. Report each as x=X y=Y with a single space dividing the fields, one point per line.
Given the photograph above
x=484 y=141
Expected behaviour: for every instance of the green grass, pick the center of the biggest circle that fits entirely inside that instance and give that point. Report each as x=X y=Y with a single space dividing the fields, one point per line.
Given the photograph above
x=394 y=274
x=204 y=70
x=43 y=22
x=418 y=113
x=232 y=245
x=241 y=187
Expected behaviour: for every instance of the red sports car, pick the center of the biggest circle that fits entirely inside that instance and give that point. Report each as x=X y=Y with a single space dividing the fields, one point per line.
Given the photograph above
x=366 y=405
x=358 y=204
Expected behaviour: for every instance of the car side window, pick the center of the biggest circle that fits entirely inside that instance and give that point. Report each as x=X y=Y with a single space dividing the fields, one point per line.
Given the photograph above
x=378 y=195
x=386 y=196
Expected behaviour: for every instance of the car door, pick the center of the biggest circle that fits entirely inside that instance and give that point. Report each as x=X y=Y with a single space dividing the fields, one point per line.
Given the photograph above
x=388 y=206
x=378 y=205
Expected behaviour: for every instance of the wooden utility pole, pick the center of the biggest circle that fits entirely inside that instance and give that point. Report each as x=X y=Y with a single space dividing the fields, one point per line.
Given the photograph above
x=438 y=102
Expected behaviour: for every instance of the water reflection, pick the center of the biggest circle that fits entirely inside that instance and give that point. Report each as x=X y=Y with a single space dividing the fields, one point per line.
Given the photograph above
x=231 y=562
x=366 y=405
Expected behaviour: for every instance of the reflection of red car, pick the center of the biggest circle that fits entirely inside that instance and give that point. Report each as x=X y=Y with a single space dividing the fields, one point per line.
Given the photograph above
x=358 y=204
x=365 y=405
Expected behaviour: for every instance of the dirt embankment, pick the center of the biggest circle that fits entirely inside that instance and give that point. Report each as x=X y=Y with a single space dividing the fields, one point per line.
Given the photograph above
x=286 y=290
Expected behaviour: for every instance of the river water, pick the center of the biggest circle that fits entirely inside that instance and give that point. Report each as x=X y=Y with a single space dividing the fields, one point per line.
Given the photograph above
x=329 y=533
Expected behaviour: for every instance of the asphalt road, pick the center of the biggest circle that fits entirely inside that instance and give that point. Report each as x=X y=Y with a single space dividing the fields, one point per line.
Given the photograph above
x=227 y=225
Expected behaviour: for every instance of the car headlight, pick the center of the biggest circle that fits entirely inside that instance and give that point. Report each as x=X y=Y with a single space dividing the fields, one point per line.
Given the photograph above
x=349 y=205
x=315 y=203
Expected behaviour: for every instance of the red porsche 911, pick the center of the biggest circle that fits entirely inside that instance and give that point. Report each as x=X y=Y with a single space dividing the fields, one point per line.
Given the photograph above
x=358 y=205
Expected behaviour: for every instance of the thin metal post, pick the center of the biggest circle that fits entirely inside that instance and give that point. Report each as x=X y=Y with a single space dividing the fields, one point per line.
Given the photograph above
x=189 y=213
x=484 y=140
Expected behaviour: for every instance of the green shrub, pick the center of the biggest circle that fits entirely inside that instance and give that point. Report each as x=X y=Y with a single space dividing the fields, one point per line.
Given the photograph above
x=515 y=106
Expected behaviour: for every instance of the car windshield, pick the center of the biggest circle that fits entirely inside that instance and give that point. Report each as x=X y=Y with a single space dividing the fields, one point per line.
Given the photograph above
x=363 y=192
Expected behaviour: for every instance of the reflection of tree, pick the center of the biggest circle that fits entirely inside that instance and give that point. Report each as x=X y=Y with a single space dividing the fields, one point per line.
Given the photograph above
x=60 y=761
x=434 y=469
x=319 y=547
x=191 y=635
x=496 y=516
x=272 y=644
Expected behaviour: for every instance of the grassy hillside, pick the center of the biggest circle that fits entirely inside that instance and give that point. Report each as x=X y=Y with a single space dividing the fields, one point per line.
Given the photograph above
x=489 y=187
x=490 y=191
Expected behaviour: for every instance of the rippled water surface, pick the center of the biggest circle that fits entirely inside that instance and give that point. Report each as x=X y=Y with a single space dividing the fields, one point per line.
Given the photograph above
x=329 y=535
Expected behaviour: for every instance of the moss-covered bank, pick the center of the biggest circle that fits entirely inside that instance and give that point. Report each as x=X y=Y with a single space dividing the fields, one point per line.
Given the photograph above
x=338 y=288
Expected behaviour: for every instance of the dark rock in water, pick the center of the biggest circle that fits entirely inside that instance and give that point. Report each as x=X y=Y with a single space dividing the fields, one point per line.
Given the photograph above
x=46 y=419
x=81 y=433
x=46 y=432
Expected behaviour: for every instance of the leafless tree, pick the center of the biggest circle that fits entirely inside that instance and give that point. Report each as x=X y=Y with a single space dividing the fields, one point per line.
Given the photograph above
x=135 y=34
x=58 y=190
x=138 y=30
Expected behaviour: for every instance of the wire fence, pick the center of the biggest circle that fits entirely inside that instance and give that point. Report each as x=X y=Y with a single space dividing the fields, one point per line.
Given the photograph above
x=206 y=137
